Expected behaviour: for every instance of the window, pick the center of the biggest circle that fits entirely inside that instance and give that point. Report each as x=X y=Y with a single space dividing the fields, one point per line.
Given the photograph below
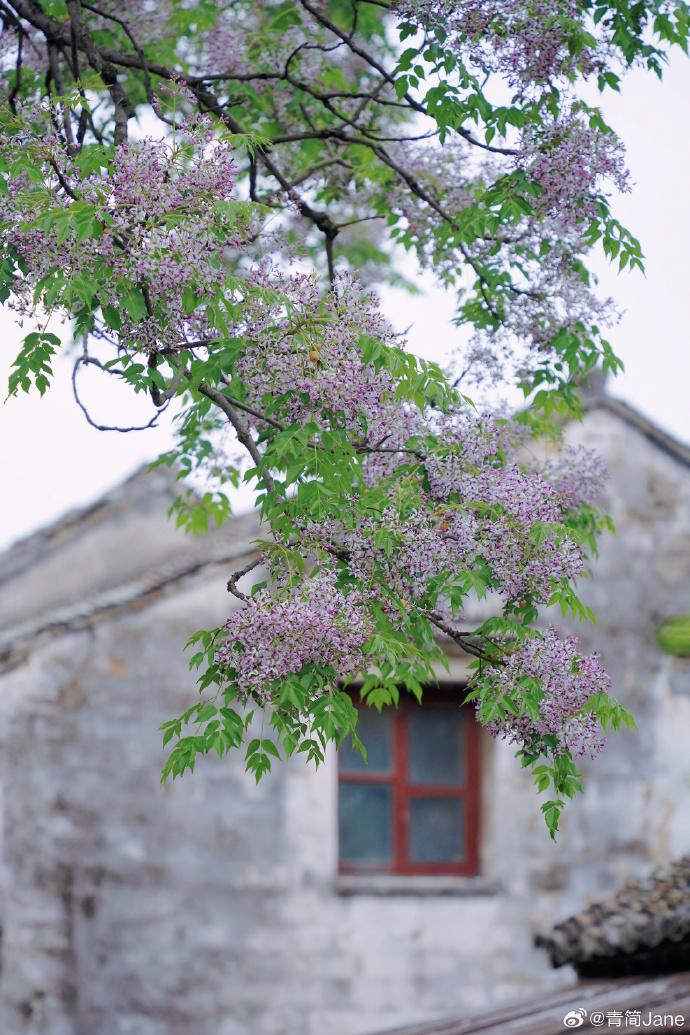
x=412 y=807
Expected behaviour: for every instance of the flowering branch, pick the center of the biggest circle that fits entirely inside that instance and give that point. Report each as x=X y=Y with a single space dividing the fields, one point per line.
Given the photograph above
x=216 y=264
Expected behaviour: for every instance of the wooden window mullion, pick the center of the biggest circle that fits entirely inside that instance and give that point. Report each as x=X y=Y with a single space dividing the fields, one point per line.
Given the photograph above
x=401 y=811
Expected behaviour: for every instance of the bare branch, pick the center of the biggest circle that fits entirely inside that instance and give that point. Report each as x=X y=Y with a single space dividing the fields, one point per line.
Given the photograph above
x=462 y=639
x=88 y=360
x=124 y=109
x=232 y=581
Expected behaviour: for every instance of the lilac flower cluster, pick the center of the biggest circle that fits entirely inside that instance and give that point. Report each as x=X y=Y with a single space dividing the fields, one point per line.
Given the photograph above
x=422 y=545
x=480 y=509
x=167 y=216
x=579 y=475
x=568 y=160
x=527 y=43
x=274 y=634
x=447 y=176
x=566 y=678
x=573 y=165
x=307 y=351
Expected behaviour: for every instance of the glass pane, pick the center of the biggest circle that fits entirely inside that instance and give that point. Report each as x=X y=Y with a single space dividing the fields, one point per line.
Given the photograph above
x=365 y=823
x=436 y=748
x=437 y=829
x=374 y=730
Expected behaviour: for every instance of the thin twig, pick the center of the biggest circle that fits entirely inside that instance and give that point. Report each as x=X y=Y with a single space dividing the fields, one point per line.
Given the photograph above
x=462 y=639
x=232 y=581
x=88 y=360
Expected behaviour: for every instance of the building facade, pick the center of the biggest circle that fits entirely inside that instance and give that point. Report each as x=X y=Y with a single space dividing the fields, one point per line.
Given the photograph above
x=213 y=906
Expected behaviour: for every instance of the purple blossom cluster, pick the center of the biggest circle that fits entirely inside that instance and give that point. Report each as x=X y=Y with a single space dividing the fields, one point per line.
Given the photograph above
x=274 y=634
x=447 y=176
x=526 y=43
x=579 y=475
x=568 y=160
x=167 y=215
x=551 y=298
x=506 y=502
x=573 y=165
x=567 y=678
x=480 y=508
x=307 y=351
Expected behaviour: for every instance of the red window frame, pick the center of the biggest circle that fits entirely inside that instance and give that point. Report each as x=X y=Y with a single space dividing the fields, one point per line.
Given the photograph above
x=403 y=791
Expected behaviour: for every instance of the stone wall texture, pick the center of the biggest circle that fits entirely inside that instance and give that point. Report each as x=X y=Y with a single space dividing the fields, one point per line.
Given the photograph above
x=211 y=906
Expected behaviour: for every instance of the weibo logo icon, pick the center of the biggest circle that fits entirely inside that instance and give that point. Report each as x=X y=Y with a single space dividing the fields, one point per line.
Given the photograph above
x=576 y=1018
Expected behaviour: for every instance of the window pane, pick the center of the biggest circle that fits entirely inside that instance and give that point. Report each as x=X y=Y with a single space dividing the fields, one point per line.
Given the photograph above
x=374 y=730
x=437 y=829
x=436 y=748
x=365 y=822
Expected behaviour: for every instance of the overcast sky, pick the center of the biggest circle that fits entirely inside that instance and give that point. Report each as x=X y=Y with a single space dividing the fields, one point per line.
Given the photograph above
x=52 y=461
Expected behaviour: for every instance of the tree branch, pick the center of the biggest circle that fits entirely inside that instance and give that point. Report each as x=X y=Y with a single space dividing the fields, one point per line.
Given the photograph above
x=462 y=639
x=124 y=109
x=232 y=581
x=88 y=360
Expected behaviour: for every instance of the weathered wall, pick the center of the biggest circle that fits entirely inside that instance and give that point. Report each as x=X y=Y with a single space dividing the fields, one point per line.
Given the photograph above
x=207 y=906
x=211 y=906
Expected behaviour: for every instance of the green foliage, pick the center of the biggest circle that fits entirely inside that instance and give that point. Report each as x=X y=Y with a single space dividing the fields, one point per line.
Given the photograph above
x=32 y=365
x=673 y=636
x=308 y=712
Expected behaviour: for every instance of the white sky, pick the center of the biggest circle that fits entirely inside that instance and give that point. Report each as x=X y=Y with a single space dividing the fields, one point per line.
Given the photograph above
x=52 y=461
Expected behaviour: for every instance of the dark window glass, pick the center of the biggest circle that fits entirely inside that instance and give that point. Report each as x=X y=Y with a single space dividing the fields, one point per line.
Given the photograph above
x=365 y=823
x=374 y=730
x=436 y=830
x=436 y=749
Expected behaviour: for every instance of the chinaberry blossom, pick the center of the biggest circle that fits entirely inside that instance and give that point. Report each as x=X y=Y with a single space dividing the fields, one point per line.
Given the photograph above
x=479 y=508
x=528 y=43
x=564 y=679
x=474 y=509
x=566 y=168
x=163 y=216
x=579 y=475
x=273 y=635
x=569 y=160
x=307 y=351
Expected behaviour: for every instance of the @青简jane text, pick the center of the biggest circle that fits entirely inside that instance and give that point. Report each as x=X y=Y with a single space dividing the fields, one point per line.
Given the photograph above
x=623 y=1019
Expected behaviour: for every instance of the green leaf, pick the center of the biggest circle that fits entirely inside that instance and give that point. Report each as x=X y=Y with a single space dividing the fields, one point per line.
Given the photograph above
x=135 y=304
x=32 y=365
x=673 y=636
x=112 y=317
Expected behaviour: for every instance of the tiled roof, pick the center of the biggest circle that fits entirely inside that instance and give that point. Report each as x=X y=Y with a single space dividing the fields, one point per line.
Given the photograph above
x=647 y=922
x=594 y=1006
